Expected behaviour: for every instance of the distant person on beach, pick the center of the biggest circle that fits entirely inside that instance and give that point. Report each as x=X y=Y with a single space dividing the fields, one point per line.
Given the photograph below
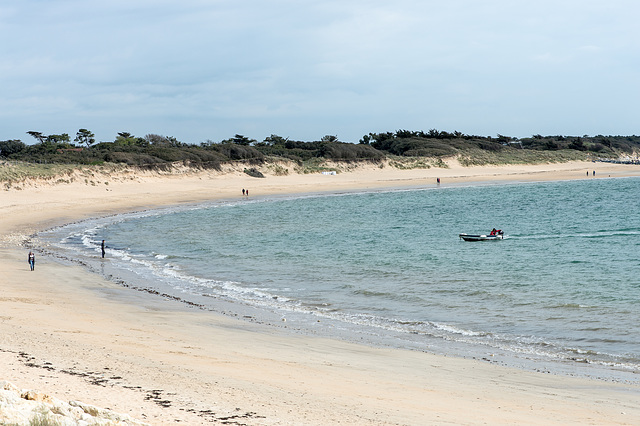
x=247 y=192
x=587 y=172
x=438 y=180
x=102 y=246
x=32 y=260
x=594 y=173
x=242 y=191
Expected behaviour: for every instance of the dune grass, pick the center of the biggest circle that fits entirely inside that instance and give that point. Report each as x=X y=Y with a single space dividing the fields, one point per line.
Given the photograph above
x=13 y=173
x=17 y=171
x=479 y=157
x=409 y=163
x=314 y=165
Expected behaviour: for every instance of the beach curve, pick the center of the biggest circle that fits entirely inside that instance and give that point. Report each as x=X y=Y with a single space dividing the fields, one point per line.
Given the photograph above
x=81 y=337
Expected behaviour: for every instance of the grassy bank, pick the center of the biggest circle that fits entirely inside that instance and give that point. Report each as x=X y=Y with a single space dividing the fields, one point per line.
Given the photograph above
x=17 y=171
x=13 y=174
x=478 y=157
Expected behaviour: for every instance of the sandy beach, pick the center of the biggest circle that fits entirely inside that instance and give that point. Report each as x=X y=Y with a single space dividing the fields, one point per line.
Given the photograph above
x=76 y=336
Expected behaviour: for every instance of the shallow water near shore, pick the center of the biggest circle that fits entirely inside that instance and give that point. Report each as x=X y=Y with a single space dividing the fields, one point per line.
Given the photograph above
x=561 y=292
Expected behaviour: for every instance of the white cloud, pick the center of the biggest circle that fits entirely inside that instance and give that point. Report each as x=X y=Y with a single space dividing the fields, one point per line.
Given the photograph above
x=209 y=69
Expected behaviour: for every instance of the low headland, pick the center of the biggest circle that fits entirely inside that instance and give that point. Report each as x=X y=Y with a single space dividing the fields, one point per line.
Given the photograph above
x=76 y=336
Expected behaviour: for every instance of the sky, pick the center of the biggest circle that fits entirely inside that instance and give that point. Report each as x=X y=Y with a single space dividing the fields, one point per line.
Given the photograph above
x=202 y=70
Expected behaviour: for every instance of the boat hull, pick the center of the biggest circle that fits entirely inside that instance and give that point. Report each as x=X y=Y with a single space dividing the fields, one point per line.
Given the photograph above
x=471 y=237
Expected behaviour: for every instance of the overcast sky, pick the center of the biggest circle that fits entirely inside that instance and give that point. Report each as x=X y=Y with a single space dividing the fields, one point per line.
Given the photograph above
x=208 y=69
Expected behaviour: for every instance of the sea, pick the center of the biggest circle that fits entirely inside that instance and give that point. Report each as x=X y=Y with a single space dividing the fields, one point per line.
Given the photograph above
x=559 y=294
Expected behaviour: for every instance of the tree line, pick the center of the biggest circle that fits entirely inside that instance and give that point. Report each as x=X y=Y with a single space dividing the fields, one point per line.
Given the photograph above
x=155 y=150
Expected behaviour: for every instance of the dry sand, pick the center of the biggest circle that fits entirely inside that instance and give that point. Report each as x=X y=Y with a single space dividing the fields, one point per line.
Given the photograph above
x=76 y=336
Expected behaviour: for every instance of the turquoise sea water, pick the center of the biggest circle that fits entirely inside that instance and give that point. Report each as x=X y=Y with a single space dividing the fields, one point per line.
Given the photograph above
x=562 y=288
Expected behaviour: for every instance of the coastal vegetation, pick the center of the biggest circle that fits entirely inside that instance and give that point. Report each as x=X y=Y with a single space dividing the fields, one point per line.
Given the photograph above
x=53 y=155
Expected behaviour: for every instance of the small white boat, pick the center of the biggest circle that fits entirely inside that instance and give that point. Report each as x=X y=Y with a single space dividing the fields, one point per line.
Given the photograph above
x=499 y=235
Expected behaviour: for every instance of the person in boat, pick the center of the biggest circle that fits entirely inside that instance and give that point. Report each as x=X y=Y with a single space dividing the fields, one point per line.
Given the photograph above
x=493 y=232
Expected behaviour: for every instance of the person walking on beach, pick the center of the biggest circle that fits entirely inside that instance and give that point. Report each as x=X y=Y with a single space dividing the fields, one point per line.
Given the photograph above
x=32 y=260
x=243 y=191
x=103 y=252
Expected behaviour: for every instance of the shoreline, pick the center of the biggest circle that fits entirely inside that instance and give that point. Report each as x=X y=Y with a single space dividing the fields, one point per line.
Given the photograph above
x=76 y=329
x=305 y=323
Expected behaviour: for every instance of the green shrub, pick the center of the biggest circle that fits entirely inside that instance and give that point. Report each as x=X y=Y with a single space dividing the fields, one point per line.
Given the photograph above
x=253 y=172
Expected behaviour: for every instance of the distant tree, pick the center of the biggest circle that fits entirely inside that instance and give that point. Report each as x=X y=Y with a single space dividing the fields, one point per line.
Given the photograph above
x=433 y=133
x=59 y=139
x=503 y=139
x=154 y=139
x=551 y=146
x=275 y=140
x=577 y=145
x=329 y=138
x=403 y=134
x=208 y=143
x=381 y=141
x=10 y=147
x=141 y=142
x=158 y=140
x=366 y=140
x=242 y=140
x=175 y=142
x=84 y=136
x=38 y=135
x=127 y=139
